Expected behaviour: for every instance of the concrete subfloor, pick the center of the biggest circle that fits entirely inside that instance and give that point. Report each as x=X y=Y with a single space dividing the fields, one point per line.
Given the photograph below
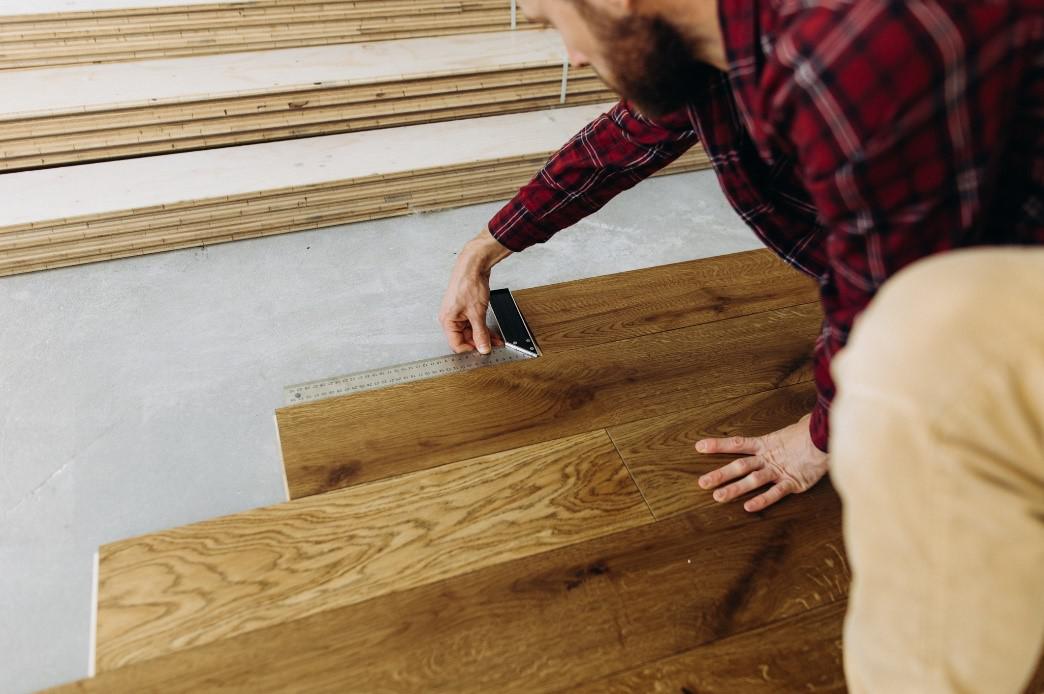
x=138 y=395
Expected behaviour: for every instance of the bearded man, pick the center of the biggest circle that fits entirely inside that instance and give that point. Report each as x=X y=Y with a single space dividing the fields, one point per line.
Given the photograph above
x=856 y=138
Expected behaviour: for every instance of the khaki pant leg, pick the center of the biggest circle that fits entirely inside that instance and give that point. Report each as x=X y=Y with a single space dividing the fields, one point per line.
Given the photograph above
x=937 y=449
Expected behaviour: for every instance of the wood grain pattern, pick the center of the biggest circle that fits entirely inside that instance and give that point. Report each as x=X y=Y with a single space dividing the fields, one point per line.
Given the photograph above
x=372 y=435
x=547 y=622
x=572 y=315
x=800 y=654
x=660 y=452
x=212 y=580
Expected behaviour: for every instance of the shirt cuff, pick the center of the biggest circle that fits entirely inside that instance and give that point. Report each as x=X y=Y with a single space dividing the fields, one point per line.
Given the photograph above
x=819 y=425
x=515 y=227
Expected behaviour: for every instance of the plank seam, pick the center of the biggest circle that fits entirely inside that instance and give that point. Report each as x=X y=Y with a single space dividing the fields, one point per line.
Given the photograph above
x=630 y=474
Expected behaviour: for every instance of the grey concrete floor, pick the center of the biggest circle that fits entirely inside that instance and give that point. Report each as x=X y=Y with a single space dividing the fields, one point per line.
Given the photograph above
x=138 y=395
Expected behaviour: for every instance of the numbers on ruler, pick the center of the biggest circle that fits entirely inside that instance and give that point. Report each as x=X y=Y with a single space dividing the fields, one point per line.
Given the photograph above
x=395 y=375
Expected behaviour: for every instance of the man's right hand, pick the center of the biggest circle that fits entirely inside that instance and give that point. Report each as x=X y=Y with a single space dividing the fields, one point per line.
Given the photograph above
x=464 y=306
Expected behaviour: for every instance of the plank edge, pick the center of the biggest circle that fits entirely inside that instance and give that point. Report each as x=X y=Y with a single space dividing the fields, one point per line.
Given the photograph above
x=92 y=651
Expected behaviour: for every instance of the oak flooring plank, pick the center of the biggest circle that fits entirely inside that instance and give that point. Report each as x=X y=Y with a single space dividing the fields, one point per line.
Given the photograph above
x=343 y=441
x=660 y=452
x=593 y=311
x=546 y=622
x=800 y=654
x=211 y=580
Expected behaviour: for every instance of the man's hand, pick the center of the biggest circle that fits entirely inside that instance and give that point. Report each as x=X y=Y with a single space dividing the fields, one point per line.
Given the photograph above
x=464 y=306
x=787 y=459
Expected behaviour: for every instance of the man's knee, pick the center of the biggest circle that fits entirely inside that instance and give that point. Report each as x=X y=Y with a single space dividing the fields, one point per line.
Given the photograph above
x=908 y=334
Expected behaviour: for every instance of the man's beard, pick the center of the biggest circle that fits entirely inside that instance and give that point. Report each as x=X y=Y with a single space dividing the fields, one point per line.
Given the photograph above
x=651 y=63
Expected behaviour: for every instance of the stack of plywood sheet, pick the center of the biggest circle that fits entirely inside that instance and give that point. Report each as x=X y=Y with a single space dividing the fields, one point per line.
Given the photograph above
x=72 y=215
x=102 y=112
x=60 y=32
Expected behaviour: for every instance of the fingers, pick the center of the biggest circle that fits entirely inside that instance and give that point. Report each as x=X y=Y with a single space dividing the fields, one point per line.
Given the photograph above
x=458 y=334
x=755 y=480
x=479 y=332
x=727 y=473
x=733 y=444
x=763 y=501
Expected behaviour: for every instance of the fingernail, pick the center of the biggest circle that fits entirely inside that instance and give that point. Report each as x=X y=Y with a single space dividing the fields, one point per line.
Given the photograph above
x=718 y=495
x=704 y=482
x=701 y=446
x=484 y=349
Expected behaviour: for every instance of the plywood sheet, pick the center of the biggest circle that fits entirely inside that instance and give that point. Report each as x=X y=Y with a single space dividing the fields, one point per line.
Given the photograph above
x=154 y=82
x=48 y=36
x=92 y=189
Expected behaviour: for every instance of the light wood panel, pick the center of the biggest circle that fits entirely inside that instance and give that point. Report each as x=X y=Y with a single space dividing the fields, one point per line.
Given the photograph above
x=546 y=622
x=660 y=451
x=212 y=580
x=82 y=193
x=72 y=215
x=104 y=112
x=800 y=654
x=578 y=314
x=122 y=34
x=371 y=435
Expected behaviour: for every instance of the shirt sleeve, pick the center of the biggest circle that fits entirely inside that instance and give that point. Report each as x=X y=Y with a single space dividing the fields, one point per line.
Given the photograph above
x=611 y=154
x=885 y=111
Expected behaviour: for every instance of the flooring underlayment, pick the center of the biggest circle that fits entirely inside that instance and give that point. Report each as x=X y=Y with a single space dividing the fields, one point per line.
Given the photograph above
x=138 y=395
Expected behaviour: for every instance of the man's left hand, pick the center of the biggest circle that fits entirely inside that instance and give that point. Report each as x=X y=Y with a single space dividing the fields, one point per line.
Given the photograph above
x=787 y=459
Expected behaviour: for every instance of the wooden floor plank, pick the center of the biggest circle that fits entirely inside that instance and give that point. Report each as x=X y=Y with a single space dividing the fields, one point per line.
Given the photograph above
x=373 y=435
x=196 y=584
x=800 y=654
x=660 y=451
x=603 y=309
x=546 y=622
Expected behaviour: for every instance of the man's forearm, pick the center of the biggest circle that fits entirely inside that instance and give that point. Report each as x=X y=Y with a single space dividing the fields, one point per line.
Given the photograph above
x=613 y=153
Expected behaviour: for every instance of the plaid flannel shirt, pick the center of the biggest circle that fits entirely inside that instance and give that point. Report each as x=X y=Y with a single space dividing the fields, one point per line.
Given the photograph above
x=853 y=136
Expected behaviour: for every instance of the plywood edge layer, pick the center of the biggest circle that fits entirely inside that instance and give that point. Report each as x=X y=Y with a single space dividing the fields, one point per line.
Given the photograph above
x=33 y=196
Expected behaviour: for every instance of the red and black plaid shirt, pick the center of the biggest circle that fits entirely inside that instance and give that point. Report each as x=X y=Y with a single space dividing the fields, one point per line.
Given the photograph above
x=854 y=137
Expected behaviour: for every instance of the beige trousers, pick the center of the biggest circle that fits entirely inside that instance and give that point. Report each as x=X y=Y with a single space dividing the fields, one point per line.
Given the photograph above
x=937 y=449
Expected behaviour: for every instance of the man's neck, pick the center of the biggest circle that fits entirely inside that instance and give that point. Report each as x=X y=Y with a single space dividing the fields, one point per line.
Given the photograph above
x=698 y=22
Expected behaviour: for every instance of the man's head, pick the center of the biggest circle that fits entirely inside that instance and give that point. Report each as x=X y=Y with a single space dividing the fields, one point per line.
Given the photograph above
x=638 y=53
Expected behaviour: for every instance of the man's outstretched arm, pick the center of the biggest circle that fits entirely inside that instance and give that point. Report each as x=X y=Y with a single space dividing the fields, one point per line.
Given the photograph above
x=613 y=153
